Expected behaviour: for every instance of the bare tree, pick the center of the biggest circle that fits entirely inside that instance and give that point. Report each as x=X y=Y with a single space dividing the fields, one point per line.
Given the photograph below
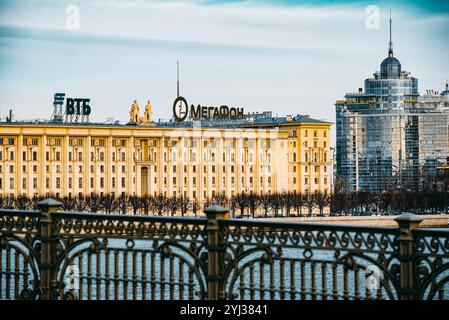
x=298 y=203
x=265 y=202
x=184 y=205
x=94 y=202
x=80 y=204
x=147 y=203
x=322 y=200
x=276 y=203
x=108 y=203
x=242 y=202
x=68 y=203
x=253 y=203
x=160 y=204
x=310 y=203
x=21 y=202
x=122 y=204
x=135 y=203
x=172 y=205
x=288 y=200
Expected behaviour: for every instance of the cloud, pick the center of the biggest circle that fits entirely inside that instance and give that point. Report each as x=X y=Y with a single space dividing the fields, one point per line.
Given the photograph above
x=271 y=55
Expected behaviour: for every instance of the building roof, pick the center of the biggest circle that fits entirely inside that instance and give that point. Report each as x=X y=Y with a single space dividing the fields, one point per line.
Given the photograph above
x=285 y=120
x=250 y=121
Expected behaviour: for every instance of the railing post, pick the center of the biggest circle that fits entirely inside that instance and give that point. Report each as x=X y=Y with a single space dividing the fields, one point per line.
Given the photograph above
x=214 y=249
x=407 y=222
x=46 y=208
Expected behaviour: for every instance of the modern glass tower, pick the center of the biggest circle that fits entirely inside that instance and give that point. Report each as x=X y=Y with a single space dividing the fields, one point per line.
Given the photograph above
x=388 y=136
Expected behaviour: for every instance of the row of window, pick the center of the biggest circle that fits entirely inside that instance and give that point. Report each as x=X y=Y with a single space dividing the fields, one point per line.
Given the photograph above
x=306 y=133
x=316 y=168
x=315 y=181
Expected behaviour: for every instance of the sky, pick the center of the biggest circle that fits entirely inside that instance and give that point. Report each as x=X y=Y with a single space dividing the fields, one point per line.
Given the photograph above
x=290 y=57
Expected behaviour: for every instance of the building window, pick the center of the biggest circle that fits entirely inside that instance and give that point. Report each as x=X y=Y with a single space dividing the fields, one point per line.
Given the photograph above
x=11 y=169
x=101 y=182
x=70 y=183
x=123 y=182
x=58 y=156
x=80 y=183
x=24 y=156
x=58 y=183
x=24 y=183
x=34 y=156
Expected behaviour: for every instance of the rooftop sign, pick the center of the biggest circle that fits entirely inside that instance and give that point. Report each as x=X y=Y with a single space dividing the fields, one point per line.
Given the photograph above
x=182 y=110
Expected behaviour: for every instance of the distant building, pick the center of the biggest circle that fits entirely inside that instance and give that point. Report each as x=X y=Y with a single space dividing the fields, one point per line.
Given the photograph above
x=388 y=136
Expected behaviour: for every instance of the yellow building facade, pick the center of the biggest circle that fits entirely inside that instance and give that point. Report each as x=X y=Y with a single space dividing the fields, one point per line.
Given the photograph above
x=199 y=163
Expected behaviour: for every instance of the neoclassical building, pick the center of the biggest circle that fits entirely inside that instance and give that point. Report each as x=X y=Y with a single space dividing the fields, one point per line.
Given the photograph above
x=195 y=159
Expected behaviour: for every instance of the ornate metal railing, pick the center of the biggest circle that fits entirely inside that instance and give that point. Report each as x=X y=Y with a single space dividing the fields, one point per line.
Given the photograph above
x=48 y=254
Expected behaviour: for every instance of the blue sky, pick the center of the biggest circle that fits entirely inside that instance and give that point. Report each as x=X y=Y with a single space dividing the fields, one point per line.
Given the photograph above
x=291 y=57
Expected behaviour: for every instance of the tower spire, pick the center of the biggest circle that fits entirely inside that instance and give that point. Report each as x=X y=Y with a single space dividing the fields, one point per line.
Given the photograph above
x=390 y=44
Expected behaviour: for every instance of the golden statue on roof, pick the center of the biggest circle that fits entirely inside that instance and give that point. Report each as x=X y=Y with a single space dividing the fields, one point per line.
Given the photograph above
x=146 y=119
x=134 y=114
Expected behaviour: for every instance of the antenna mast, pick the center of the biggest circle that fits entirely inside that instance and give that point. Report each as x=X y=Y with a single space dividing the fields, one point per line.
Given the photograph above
x=390 y=44
x=177 y=78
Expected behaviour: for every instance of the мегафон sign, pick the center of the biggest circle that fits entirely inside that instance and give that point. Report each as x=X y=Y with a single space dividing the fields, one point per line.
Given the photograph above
x=181 y=110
